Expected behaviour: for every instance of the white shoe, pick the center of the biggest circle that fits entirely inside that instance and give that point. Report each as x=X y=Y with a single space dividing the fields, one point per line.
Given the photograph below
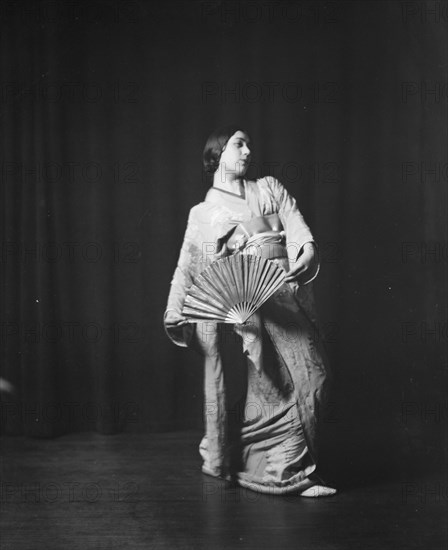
x=318 y=491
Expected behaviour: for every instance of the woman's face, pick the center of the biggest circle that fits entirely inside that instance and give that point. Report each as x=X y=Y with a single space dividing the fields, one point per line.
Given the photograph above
x=235 y=157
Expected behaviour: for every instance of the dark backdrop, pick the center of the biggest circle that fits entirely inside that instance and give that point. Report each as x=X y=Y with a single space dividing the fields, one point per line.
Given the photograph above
x=105 y=108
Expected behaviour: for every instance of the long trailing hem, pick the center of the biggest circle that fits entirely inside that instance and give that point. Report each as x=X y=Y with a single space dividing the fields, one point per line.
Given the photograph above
x=296 y=484
x=273 y=455
x=306 y=487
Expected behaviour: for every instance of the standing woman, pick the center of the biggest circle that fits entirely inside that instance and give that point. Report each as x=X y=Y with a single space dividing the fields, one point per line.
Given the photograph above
x=274 y=449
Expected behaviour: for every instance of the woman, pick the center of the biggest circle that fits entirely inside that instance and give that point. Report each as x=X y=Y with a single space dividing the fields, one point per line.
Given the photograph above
x=270 y=444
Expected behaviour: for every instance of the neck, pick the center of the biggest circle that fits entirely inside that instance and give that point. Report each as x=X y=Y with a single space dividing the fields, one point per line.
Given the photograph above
x=229 y=182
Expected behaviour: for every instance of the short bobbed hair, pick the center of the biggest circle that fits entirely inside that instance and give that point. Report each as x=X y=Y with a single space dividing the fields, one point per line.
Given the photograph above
x=215 y=144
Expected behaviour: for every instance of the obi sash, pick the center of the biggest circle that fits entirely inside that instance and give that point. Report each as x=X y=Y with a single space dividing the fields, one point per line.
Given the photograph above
x=262 y=236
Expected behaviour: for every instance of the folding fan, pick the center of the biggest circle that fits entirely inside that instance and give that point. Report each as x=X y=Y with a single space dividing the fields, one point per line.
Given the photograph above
x=231 y=289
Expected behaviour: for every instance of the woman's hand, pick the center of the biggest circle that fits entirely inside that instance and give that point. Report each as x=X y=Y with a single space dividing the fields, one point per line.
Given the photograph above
x=305 y=264
x=200 y=337
x=173 y=318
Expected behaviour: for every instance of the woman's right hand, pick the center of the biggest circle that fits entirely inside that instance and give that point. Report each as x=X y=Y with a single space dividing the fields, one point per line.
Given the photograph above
x=174 y=319
x=199 y=338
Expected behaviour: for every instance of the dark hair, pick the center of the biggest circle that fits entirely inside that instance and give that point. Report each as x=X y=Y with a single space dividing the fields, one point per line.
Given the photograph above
x=216 y=142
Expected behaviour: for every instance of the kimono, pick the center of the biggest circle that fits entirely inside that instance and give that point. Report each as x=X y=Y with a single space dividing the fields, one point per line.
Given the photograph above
x=270 y=442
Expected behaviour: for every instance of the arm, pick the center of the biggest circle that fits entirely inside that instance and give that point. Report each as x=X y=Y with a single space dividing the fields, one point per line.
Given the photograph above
x=176 y=326
x=302 y=249
x=204 y=242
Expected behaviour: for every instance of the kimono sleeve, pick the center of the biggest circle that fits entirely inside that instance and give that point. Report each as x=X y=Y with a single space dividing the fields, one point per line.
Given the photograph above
x=188 y=265
x=297 y=231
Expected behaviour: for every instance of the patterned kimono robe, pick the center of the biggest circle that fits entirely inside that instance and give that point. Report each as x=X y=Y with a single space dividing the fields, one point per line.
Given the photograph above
x=274 y=446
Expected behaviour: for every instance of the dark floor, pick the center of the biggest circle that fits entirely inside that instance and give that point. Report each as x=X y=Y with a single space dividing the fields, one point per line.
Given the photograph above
x=90 y=491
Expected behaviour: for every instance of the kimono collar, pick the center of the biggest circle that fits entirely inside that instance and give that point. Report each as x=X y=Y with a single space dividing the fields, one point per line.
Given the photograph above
x=220 y=197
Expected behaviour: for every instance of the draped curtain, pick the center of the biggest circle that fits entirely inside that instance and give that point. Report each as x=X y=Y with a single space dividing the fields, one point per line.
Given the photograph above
x=105 y=108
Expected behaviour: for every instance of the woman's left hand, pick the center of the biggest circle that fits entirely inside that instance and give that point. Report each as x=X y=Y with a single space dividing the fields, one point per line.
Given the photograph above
x=305 y=264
